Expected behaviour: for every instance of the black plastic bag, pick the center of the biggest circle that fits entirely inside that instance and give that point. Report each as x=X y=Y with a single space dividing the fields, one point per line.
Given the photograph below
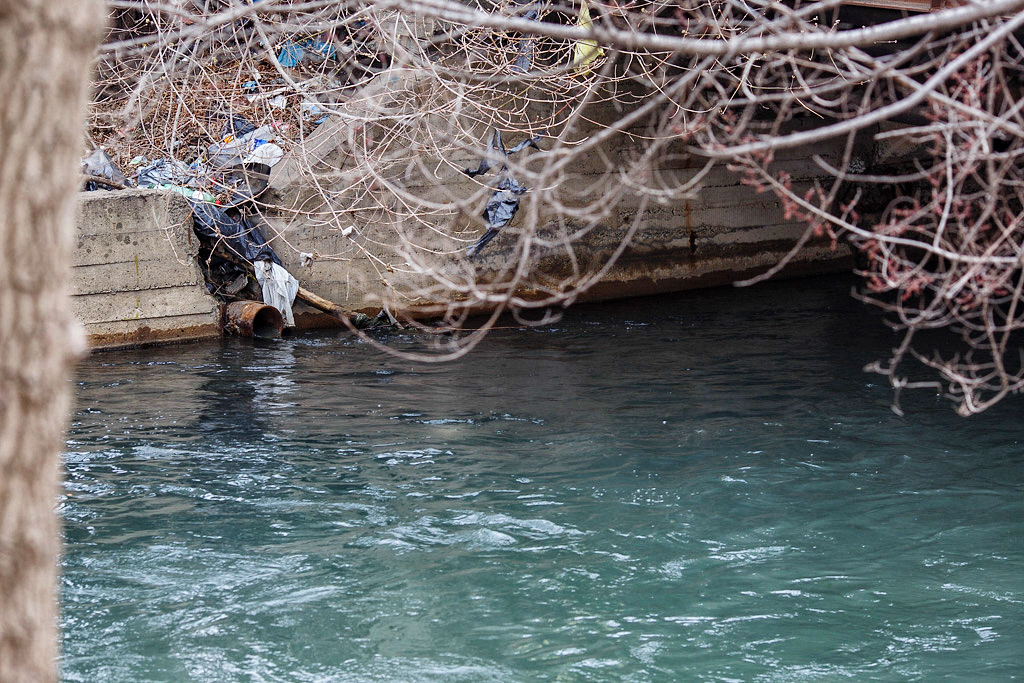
x=238 y=234
x=503 y=203
x=237 y=126
x=496 y=153
x=525 y=50
x=501 y=208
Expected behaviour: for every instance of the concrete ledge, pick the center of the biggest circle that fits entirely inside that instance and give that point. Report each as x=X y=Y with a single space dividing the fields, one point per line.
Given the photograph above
x=135 y=280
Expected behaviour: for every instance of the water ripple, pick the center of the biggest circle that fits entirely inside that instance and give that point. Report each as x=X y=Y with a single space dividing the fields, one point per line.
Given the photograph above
x=709 y=492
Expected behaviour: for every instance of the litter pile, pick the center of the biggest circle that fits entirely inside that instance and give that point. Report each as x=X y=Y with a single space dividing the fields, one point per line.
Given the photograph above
x=233 y=169
x=221 y=186
x=208 y=114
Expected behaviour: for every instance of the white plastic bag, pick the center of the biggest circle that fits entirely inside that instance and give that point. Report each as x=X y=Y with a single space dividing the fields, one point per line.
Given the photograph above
x=279 y=288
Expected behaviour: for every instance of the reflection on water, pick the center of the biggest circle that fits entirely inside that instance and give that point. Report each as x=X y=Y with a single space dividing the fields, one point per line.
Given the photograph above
x=703 y=487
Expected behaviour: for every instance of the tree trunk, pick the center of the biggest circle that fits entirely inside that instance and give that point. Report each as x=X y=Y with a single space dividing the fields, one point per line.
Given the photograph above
x=45 y=53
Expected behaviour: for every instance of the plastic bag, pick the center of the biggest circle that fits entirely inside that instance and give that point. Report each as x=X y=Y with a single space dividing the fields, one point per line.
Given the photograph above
x=164 y=172
x=503 y=203
x=239 y=234
x=235 y=149
x=279 y=288
x=99 y=165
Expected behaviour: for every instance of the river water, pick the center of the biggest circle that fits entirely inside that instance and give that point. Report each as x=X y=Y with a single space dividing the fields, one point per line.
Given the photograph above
x=699 y=487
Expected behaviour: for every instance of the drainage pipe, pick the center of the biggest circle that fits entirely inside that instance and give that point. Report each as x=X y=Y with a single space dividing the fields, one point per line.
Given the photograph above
x=252 y=319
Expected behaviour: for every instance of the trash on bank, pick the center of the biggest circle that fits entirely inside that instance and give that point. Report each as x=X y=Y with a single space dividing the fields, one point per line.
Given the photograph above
x=234 y=149
x=264 y=153
x=234 y=125
x=221 y=186
x=501 y=208
x=238 y=233
x=100 y=172
x=190 y=193
x=311 y=112
x=243 y=184
x=164 y=172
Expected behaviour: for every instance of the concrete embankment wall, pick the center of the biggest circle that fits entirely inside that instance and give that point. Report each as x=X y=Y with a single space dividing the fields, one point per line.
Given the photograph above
x=135 y=277
x=335 y=225
x=136 y=280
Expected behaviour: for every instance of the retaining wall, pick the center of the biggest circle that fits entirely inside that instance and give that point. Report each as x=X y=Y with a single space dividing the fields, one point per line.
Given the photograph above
x=135 y=278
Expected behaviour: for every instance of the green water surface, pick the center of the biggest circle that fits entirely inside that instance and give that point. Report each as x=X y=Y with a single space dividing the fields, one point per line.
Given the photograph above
x=703 y=487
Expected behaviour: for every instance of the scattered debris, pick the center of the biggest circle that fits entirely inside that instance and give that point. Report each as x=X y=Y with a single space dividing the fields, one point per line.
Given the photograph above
x=234 y=149
x=501 y=208
x=243 y=184
x=311 y=112
x=237 y=126
x=190 y=193
x=222 y=177
x=265 y=153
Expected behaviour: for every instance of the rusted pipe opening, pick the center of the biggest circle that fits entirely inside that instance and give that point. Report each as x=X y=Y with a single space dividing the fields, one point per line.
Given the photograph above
x=253 y=319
